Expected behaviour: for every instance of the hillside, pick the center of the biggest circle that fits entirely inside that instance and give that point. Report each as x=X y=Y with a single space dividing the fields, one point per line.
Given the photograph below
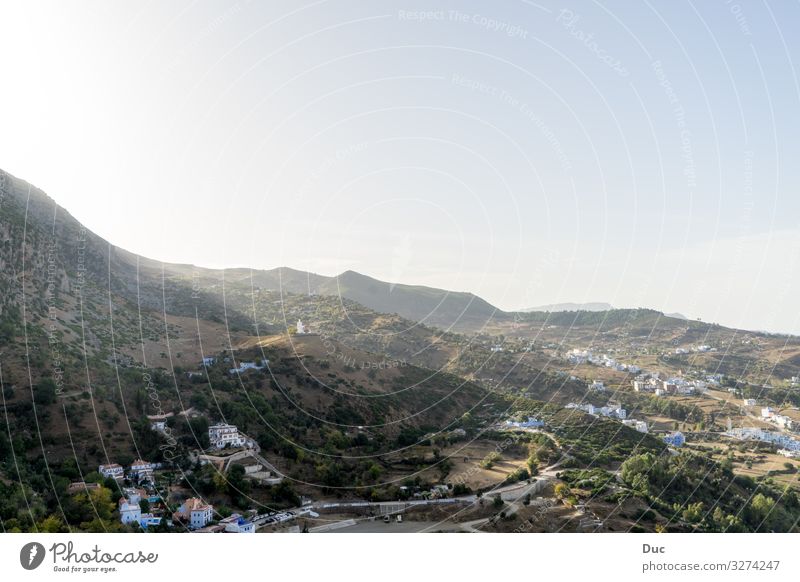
x=392 y=391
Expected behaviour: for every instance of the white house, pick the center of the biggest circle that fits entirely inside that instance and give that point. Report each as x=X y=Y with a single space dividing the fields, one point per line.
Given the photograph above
x=129 y=510
x=644 y=385
x=749 y=401
x=767 y=412
x=597 y=386
x=196 y=512
x=141 y=470
x=530 y=423
x=244 y=366
x=782 y=421
x=209 y=361
x=587 y=408
x=614 y=412
x=223 y=435
x=301 y=329
x=237 y=524
x=638 y=425
x=113 y=470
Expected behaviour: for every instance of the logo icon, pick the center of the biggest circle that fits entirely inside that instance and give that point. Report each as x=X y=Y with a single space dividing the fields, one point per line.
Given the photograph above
x=31 y=555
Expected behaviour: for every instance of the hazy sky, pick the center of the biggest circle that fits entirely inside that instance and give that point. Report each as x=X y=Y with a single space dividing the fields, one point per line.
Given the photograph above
x=639 y=153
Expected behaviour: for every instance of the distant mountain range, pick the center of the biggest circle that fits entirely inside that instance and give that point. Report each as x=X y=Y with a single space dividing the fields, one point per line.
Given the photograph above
x=55 y=236
x=553 y=307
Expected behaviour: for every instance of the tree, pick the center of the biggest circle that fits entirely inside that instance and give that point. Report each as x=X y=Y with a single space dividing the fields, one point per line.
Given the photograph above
x=561 y=491
x=490 y=459
x=44 y=392
x=693 y=512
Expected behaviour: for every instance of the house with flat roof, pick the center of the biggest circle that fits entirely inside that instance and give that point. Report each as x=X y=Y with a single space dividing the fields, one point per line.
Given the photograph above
x=238 y=524
x=223 y=435
x=675 y=439
x=141 y=470
x=113 y=470
x=129 y=510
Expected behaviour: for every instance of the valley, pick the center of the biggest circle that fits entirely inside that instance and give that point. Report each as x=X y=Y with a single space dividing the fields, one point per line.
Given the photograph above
x=349 y=399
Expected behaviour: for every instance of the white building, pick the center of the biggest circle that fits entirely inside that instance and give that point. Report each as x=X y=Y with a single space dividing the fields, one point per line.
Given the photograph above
x=597 y=386
x=301 y=329
x=608 y=410
x=209 y=361
x=587 y=408
x=196 y=512
x=223 y=435
x=244 y=366
x=141 y=470
x=782 y=421
x=613 y=412
x=530 y=423
x=237 y=524
x=749 y=401
x=129 y=512
x=638 y=425
x=644 y=385
x=113 y=470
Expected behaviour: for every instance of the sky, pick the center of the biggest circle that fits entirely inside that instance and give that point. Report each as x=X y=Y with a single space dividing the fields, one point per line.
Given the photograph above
x=641 y=154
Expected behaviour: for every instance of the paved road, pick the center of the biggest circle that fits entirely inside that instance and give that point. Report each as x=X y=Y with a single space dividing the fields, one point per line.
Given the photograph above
x=378 y=526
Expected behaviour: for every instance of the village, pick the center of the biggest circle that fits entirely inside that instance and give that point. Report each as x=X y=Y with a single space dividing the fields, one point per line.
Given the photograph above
x=147 y=502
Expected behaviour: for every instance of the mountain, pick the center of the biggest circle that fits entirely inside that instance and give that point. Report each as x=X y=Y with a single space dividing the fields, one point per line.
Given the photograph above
x=677 y=316
x=553 y=307
x=444 y=309
x=384 y=390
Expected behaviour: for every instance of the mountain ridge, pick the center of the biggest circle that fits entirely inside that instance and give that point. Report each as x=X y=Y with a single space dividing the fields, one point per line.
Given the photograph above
x=142 y=279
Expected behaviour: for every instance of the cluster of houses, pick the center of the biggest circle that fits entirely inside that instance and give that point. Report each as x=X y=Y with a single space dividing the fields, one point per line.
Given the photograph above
x=609 y=410
x=140 y=471
x=194 y=513
x=781 y=420
x=784 y=441
x=578 y=356
x=652 y=384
